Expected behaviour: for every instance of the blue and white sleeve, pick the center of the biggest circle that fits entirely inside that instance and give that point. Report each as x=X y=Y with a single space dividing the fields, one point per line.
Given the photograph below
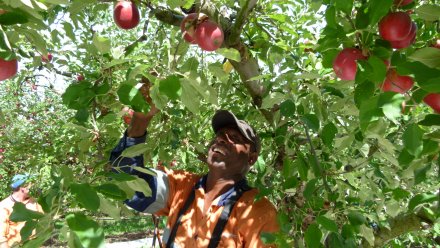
x=159 y=184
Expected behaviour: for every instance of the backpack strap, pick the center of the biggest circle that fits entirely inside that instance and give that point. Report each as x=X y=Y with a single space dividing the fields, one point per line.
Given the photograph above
x=182 y=211
x=221 y=223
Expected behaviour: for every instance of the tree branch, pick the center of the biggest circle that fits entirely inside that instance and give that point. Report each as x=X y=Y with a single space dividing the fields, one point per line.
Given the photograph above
x=401 y=224
x=242 y=16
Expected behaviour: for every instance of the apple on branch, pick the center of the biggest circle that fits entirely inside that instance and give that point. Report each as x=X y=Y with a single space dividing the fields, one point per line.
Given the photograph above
x=433 y=100
x=345 y=65
x=209 y=35
x=397 y=83
x=395 y=26
x=46 y=58
x=8 y=69
x=126 y=14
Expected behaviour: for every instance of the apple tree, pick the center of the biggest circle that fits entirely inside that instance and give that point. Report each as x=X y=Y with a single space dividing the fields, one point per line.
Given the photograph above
x=345 y=95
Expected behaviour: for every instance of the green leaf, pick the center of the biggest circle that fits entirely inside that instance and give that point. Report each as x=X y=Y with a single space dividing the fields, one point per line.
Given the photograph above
x=430 y=147
x=302 y=166
x=78 y=95
x=330 y=16
x=267 y=238
x=39 y=239
x=190 y=98
x=140 y=185
x=328 y=134
x=171 y=87
x=313 y=236
x=36 y=39
x=82 y=115
x=369 y=112
x=362 y=18
x=17 y=16
x=67 y=174
x=378 y=9
x=344 y=5
x=112 y=191
x=85 y=195
x=429 y=56
x=4 y=42
x=21 y=213
x=327 y=223
x=368 y=234
x=272 y=99
x=374 y=70
x=420 y=174
x=421 y=199
x=335 y=240
x=391 y=104
x=363 y=92
x=399 y=194
x=430 y=120
x=311 y=121
x=26 y=231
x=356 y=218
x=121 y=177
x=57 y=1
x=90 y=234
x=109 y=208
x=135 y=150
x=129 y=94
x=229 y=53
x=429 y=12
x=405 y=158
x=379 y=69
x=101 y=43
x=309 y=190
x=426 y=77
x=287 y=108
x=412 y=139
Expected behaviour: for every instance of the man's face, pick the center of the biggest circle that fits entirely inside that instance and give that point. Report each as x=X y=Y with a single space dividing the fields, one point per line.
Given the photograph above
x=25 y=190
x=230 y=152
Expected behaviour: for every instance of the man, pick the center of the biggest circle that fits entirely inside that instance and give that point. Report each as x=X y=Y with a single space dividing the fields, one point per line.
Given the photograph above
x=9 y=230
x=213 y=210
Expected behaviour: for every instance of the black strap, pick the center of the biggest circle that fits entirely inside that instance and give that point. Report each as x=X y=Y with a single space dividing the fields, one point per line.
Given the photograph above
x=221 y=223
x=188 y=202
x=239 y=189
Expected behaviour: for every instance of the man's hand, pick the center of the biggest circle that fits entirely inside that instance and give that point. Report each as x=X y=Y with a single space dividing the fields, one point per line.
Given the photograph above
x=140 y=121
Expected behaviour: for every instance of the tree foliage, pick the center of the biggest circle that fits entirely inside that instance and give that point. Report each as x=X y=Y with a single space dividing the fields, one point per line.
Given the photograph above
x=345 y=163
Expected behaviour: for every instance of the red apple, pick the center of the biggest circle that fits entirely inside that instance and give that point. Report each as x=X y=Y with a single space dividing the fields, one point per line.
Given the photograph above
x=8 y=69
x=46 y=58
x=126 y=14
x=408 y=40
x=400 y=3
x=397 y=83
x=433 y=100
x=2 y=150
x=345 y=65
x=209 y=36
x=436 y=44
x=79 y=77
x=188 y=28
x=395 y=26
x=2 y=11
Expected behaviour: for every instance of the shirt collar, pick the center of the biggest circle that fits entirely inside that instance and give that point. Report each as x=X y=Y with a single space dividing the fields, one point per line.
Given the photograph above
x=227 y=195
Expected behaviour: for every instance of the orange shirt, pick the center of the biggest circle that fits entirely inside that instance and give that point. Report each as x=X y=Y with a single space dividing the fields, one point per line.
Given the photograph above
x=9 y=230
x=247 y=221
